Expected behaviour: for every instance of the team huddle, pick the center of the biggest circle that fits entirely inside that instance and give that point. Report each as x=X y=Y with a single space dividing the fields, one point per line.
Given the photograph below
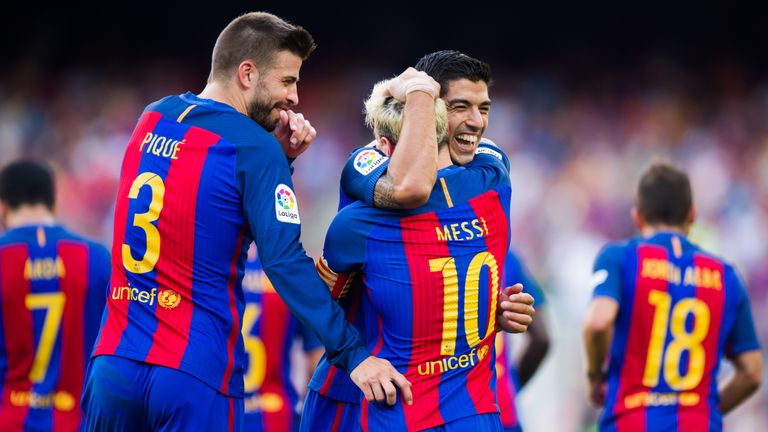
x=187 y=323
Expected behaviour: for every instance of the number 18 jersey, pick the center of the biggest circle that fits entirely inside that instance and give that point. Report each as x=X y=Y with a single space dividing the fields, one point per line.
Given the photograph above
x=681 y=310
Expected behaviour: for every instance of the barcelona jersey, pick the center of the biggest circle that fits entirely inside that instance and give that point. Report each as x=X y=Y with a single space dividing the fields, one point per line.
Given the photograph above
x=363 y=169
x=432 y=276
x=269 y=331
x=199 y=182
x=506 y=373
x=52 y=290
x=680 y=311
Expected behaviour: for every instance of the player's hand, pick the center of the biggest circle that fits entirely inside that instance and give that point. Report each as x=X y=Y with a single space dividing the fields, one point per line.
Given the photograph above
x=515 y=311
x=294 y=132
x=597 y=389
x=377 y=379
x=412 y=80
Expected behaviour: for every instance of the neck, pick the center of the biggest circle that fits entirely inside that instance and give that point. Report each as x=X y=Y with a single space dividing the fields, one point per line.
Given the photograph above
x=649 y=230
x=223 y=93
x=37 y=214
x=443 y=157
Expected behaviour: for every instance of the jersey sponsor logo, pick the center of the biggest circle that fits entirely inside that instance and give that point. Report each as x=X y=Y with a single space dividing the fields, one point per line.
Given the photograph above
x=368 y=160
x=267 y=402
x=651 y=399
x=168 y=299
x=60 y=400
x=466 y=360
x=134 y=294
x=286 y=207
x=489 y=151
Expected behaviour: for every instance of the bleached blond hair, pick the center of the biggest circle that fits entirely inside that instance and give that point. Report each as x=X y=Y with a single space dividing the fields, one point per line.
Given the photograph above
x=384 y=114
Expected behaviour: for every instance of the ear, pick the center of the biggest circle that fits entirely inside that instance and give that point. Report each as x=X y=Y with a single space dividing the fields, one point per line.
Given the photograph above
x=637 y=219
x=386 y=145
x=247 y=74
x=692 y=213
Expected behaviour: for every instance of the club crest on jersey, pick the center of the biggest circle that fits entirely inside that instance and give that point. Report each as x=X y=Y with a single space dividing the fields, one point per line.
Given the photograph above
x=286 y=206
x=368 y=160
x=168 y=299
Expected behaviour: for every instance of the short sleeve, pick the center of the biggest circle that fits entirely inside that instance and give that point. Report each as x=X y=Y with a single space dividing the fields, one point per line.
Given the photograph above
x=363 y=169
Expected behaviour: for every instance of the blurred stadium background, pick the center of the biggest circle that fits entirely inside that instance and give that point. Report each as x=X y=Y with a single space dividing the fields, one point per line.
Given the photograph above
x=584 y=98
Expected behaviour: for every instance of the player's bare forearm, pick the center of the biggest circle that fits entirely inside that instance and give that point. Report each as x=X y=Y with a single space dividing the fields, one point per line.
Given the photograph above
x=412 y=170
x=598 y=329
x=596 y=345
x=537 y=349
x=743 y=383
x=384 y=193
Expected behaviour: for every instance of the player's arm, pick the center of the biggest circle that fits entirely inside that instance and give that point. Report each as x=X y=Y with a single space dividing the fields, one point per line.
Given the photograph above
x=748 y=370
x=264 y=180
x=744 y=351
x=535 y=351
x=538 y=335
x=598 y=329
x=407 y=180
x=600 y=319
x=344 y=253
x=412 y=171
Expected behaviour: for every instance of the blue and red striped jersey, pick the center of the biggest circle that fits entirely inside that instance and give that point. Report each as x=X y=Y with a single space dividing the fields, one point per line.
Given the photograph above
x=507 y=384
x=269 y=331
x=199 y=182
x=680 y=311
x=52 y=290
x=432 y=276
x=363 y=169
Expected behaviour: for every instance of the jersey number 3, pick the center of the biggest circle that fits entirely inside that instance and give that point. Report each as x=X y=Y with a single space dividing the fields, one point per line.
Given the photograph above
x=144 y=221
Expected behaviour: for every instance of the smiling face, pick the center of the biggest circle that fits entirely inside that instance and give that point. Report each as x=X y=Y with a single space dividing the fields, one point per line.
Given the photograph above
x=468 y=107
x=276 y=90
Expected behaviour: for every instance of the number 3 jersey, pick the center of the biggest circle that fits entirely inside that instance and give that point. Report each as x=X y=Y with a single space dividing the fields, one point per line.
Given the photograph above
x=680 y=311
x=52 y=286
x=432 y=276
x=199 y=182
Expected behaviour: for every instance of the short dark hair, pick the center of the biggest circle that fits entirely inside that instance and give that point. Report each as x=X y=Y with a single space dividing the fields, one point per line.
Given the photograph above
x=27 y=182
x=257 y=36
x=664 y=195
x=448 y=65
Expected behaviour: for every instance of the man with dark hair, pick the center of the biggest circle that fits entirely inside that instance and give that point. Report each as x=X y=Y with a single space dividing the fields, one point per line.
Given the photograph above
x=202 y=177
x=664 y=313
x=463 y=83
x=52 y=286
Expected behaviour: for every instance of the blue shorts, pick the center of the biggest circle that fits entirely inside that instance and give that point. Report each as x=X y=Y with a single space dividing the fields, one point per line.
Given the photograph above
x=323 y=414
x=127 y=395
x=490 y=422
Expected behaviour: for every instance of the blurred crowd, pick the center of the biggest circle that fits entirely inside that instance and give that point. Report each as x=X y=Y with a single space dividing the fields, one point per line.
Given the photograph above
x=577 y=144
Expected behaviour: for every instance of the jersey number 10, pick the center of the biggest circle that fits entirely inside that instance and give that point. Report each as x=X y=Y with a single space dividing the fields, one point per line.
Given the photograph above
x=471 y=299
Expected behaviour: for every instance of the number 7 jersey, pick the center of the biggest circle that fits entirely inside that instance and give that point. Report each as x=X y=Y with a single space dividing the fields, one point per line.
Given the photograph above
x=432 y=277
x=681 y=310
